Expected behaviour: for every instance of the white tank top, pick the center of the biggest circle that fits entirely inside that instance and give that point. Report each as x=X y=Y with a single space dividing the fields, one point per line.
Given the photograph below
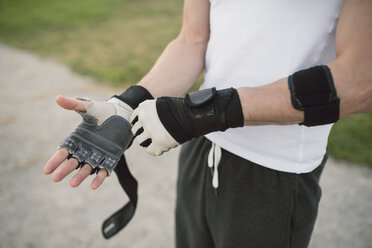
x=254 y=43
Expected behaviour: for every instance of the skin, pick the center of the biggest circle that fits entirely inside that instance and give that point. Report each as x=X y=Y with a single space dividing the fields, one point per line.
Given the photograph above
x=53 y=164
x=351 y=73
x=190 y=45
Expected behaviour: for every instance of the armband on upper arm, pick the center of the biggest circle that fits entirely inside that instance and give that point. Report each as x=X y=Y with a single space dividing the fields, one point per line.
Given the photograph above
x=313 y=91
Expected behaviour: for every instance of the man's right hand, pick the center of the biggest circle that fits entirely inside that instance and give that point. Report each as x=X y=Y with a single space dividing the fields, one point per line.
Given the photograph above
x=60 y=156
x=101 y=142
x=91 y=142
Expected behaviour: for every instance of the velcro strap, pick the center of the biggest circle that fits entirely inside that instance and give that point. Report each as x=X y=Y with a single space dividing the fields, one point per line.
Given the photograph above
x=322 y=114
x=121 y=218
x=134 y=96
x=201 y=97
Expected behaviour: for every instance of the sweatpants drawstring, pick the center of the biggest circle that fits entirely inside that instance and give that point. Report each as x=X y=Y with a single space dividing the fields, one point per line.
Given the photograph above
x=214 y=158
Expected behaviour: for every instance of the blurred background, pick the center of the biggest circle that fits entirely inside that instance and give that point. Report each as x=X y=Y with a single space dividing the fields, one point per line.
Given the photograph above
x=109 y=45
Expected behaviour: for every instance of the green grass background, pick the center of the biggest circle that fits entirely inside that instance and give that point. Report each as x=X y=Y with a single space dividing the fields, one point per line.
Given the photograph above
x=117 y=42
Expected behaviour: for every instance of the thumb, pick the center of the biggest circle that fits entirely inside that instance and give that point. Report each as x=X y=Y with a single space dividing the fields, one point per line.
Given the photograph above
x=72 y=103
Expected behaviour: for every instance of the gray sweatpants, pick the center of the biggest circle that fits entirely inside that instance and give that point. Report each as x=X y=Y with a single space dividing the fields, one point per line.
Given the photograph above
x=254 y=207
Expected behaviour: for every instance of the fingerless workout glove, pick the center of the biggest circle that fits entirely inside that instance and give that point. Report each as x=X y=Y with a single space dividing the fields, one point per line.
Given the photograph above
x=101 y=139
x=104 y=134
x=100 y=146
x=166 y=122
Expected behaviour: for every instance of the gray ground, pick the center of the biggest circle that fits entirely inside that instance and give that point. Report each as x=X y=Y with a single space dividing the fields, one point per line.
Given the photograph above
x=36 y=212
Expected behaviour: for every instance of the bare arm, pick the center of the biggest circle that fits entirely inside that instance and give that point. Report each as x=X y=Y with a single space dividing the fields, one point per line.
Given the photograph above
x=174 y=72
x=182 y=61
x=351 y=72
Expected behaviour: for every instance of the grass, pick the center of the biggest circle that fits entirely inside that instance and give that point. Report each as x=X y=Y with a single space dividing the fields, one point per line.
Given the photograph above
x=351 y=139
x=117 y=42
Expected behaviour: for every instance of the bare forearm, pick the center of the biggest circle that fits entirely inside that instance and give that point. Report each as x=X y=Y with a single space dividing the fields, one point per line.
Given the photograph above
x=351 y=71
x=176 y=69
x=271 y=104
x=183 y=60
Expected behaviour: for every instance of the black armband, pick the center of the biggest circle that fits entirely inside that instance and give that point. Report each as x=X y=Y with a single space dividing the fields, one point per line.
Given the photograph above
x=134 y=95
x=313 y=91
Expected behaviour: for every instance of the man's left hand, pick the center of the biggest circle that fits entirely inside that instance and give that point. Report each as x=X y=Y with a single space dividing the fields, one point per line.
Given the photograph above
x=166 y=122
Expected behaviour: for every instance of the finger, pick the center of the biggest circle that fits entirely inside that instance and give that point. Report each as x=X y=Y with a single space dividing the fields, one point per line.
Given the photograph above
x=101 y=175
x=72 y=103
x=146 y=143
x=142 y=137
x=134 y=121
x=65 y=169
x=137 y=129
x=79 y=177
x=57 y=158
x=134 y=117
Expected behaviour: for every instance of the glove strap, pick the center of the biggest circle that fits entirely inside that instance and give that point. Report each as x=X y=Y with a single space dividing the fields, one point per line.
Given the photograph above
x=134 y=96
x=121 y=218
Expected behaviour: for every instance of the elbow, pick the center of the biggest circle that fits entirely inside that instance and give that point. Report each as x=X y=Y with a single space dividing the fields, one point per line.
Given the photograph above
x=194 y=37
x=353 y=79
x=362 y=82
x=362 y=100
x=364 y=97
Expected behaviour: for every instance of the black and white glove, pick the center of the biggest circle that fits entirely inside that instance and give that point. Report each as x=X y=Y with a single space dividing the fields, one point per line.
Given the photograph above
x=166 y=122
x=103 y=136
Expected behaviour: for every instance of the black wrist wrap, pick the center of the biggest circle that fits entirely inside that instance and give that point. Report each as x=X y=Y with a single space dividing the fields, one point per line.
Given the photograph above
x=313 y=91
x=200 y=113
x=134 y=95
x=118 y=220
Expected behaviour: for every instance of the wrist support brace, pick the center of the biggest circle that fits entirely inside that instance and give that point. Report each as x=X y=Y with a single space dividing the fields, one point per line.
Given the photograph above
x=313 y=91
x=200 y=113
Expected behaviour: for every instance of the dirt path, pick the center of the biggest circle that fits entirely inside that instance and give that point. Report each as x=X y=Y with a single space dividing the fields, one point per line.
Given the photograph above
x=35 y=212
